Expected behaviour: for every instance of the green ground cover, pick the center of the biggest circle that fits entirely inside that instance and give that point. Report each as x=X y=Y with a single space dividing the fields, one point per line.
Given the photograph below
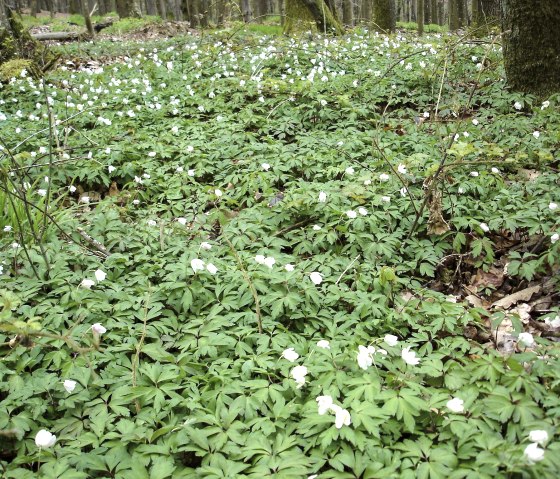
x=233 y=255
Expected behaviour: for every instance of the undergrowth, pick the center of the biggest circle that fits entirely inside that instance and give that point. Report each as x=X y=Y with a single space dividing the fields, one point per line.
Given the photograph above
x=248 y=256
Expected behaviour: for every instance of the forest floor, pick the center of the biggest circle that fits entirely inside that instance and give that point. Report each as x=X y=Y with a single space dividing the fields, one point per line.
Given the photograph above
x=237 y=255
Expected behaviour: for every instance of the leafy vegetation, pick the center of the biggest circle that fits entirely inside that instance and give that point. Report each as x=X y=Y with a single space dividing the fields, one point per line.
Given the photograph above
x=246 y=256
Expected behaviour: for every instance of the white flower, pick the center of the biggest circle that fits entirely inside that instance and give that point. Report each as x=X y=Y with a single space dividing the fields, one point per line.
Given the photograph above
x=8 y=228
x=367 y=182
x=342 y=416
x=69 y=385
x=533 y=453
x=391 y=340
x=553 y=323
x=205 y=245
x=179 y=169
x=351 y=214
x=517 y=105
x=323 y=344
x=552 y=206
x=100 y=275
x=554 y=238
x=536 y=134
x=362 y=211
x=182 y=221
x=484 y=227
x=87 y=283
x=455 y=405
x=316 y=277
x=152 y=222
x=42 y=192
x=349 y=170
x=111 y=168
x=72 y=189
x=401 y=169
x=365 y=356
x=384 y=177
x=175 y=130
x=289 y=267
x=190 y=148
x=197 y=264
x=386 y=199
x=15 y=245
x=403 y=191
x=539 y=436
x=45 y=439
x=316 y=228
x=211 y=268
x=495 y=170
x=526 y=339
x=260 y=259
x=190 y=172
x=299 y=373
x=409 y=357
x=322 y=197
x=98 y=328
x=269 y=261
x=475 y=121
x=218 y=192
x=290 y=354
x=265 y=166
x=474 y=173
x=151 y=154
x=324 y=403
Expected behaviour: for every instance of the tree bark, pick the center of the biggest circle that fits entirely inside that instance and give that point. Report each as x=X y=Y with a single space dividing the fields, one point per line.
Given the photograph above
x=454 y=15
x=348 y=12
x=532 y=45
x=246 y=10
x=302 y=15
x=384 y=15
x=420 y=16
x=87 y=18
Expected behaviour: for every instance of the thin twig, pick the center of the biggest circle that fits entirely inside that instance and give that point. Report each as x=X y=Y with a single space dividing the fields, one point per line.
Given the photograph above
x=347 y=268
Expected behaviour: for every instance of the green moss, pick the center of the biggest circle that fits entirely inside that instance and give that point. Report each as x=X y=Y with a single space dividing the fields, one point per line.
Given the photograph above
x=14 y=69
x=300 y=17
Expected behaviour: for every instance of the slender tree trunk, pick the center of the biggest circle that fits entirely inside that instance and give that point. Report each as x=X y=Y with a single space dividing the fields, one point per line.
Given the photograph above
x=366 y=10
x=348 y=12
x=420 y=16
x=220 y=12
x=246 y=10
x=384 y=15
x=454 y=15
x=532 y=45
x=87 y=18
x=151 y=8
x=162 y=9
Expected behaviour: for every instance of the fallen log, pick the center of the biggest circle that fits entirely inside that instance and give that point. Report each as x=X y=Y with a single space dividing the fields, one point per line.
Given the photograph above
x=41 y=37
x=62 y=36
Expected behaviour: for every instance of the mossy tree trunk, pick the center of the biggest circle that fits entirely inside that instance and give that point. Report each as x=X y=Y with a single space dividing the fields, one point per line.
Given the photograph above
x=384 y=15
x=315 y=15
x=532 y=45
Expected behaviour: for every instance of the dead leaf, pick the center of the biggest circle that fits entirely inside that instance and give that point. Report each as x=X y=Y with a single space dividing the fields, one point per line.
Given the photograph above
x=474 y=301
x=523 y=295
x=494 y=277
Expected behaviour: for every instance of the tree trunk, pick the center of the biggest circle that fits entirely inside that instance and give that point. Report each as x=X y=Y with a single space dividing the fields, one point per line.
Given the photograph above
x=87 y=18
x=203 y=12
x=303 y=15
x=246 y=10
x=151 y=7
x=384 y=15
x=461 y=13
x=532 y=45
x=485 y=15
x=454 y=15
x=420 y=17
x=162 y=9
x=348 y=12
x=366 y=10
x=220 y=12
